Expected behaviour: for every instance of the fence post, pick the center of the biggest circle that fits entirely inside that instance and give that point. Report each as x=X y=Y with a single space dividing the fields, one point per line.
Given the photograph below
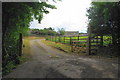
x=72 y=44
x=70 y=40
x=20 y=44
x=97 y=40
x=89 y=45
x=64 y=39
x=47 y=38
x=59 y=38
x=55 y=38
x=51 y=38
x=101 y=40
x=78 y=38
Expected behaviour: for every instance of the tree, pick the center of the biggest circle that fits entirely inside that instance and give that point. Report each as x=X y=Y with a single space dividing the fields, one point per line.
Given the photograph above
x=45 y=31
x=61 y=31
x=104 y=19
x=50 y=28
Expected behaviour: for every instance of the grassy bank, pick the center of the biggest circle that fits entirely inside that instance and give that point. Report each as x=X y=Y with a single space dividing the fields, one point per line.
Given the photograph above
x=66 y=48
x=63 y=47
x=26 y=47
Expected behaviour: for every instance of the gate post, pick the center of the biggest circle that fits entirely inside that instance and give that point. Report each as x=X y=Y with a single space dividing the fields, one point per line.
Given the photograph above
x=20 y=44
x=101 y=40
x=89 y=41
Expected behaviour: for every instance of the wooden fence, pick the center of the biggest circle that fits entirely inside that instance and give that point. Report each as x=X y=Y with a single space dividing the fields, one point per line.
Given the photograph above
x=65 y=39
x=79 y=44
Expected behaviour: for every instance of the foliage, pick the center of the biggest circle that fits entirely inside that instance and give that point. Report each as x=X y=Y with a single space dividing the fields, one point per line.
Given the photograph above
x=8 y=67
x=104 y=19
x=61 y=31
x=45 y=31
x=16 y=19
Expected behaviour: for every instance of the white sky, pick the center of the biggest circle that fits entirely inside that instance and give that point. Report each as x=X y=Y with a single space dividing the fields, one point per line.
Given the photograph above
x=70 y=15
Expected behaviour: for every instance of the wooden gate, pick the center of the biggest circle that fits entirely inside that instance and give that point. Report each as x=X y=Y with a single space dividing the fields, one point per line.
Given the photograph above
x=95 y=43
x=88 y=45
x=79 y=46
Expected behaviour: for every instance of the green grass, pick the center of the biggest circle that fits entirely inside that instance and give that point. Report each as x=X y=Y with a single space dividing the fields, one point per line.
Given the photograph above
x=26 y=48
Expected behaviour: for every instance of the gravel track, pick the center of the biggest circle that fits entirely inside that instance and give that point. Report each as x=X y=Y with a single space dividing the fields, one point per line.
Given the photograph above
x=48 y=62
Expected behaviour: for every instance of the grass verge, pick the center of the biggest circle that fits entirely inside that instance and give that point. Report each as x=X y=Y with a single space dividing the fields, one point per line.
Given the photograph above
x=63 y=47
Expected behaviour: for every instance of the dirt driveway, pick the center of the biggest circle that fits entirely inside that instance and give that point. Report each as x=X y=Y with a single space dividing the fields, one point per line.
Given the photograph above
x=48 y=62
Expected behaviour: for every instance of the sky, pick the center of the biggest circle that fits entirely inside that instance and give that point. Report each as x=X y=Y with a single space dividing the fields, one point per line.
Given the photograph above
x=70 y=15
